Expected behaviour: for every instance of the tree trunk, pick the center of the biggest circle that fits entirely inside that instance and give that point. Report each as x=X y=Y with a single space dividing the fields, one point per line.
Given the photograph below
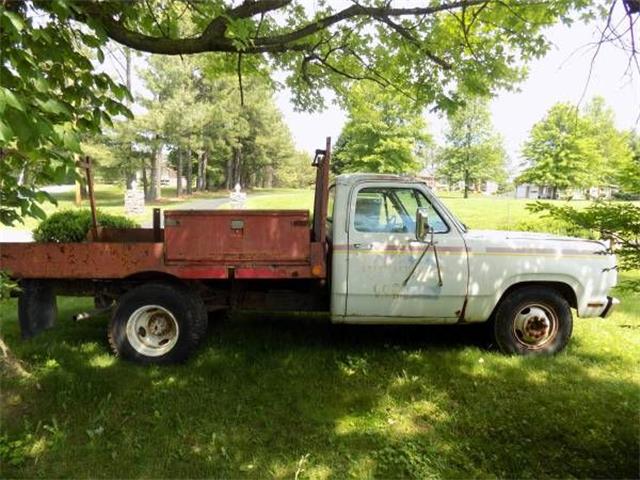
x=130 y=178
x=268 y=179
x=145 y=184
x=203 y=175
x=466 y=184
x=234 y=171
x=130 y=175
x=237 y=167
x=179 y=174
x=154 y=192
x=198 y=172
x=229 y=172
x=189 y=173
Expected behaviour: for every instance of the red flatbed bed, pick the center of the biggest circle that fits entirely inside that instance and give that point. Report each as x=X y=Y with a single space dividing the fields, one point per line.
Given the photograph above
x=160 y=284
x=197 y=244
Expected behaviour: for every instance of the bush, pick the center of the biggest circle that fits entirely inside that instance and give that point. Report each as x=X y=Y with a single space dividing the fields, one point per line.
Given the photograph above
x=73 y=225
x=626 y=196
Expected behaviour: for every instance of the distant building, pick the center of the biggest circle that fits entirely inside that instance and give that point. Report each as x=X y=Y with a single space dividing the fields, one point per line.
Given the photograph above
x=489 y=187
x=427 y=175
x=545 y=192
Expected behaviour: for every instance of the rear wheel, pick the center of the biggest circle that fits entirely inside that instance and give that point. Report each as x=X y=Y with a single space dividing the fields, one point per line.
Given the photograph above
x=157 y=323
x=533 y=321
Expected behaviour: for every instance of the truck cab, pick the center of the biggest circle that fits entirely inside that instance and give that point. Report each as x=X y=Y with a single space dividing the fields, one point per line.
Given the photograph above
x=383 y=272
x=376 y=276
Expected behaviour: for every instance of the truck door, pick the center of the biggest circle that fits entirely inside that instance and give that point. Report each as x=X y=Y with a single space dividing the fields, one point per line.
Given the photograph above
x=383 y=251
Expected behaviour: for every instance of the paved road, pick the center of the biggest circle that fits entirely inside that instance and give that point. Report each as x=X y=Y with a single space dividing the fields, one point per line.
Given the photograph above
x=202 y=204
x=15 y=235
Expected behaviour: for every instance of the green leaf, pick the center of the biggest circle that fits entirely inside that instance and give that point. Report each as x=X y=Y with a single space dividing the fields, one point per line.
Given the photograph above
x=53 y=106
x=42 y=85
x=127 y=113
x=10 y=99
x=5 y=132
x=70 y=141
x=100 y=55
x=15 y=20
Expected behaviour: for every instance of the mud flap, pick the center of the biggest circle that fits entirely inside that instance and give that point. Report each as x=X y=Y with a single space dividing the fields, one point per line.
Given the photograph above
x=37 y=307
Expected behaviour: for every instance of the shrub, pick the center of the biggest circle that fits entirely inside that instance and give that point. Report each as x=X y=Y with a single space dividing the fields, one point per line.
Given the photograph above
x=73 y=225
x=626 y=196
x=615 y=221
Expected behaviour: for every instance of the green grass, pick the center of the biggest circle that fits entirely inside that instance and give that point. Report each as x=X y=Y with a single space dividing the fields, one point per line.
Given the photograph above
x=277 y=199
x=266 y=397
x=476 y=212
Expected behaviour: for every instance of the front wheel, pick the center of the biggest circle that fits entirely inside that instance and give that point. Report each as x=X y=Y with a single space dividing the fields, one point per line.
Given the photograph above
x=533 y=321
x=157 y=323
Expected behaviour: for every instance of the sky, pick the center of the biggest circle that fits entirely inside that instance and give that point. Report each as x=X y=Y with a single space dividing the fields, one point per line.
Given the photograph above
x=560 y=76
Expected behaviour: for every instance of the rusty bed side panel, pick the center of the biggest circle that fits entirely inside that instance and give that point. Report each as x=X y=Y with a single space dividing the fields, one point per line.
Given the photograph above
x=200 y=236
x=102 y=260
x=80 y=260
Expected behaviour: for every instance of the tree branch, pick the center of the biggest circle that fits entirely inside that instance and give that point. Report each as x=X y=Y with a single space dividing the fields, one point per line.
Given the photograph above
x=409 y=36
x=213 y=37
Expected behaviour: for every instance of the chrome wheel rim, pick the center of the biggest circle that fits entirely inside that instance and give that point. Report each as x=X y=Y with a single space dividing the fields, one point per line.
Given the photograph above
x=535 y=326
x=152 y=330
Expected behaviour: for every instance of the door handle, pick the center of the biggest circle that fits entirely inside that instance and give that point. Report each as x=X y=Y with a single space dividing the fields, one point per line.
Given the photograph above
x=362 y=246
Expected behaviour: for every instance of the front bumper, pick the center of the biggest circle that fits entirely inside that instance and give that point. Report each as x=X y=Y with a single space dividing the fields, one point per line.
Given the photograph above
x=611 y=306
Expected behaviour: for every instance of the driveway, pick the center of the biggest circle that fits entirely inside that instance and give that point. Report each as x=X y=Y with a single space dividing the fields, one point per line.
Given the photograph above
x=202 y=204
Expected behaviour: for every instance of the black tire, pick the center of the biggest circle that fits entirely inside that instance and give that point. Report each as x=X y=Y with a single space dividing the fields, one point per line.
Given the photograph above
x=37 y=307
x=533 y=321
x=157 y=323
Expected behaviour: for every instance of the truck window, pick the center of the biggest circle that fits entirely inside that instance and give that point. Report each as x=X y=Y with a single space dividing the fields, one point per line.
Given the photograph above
x=392 y=210
x=413 y=199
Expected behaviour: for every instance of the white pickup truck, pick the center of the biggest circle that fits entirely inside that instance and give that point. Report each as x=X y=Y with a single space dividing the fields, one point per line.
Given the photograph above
x=400 y=256
x=382 y=250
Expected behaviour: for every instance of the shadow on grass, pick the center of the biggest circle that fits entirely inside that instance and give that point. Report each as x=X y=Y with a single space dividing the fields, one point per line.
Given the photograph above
x=276 y=396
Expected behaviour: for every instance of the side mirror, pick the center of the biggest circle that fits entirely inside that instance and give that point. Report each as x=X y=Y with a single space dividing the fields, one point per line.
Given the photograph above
x=422 y=224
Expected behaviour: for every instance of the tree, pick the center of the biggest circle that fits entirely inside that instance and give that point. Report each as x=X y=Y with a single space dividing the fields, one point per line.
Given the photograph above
x=561 y=151
x=613 y=147
x=425 y=52
x=211 y=130
x=473 y=152
x=384 y=133
x=475 y=44
x=572 y=149
x=49 y=96
x=629 y=173
x=294 y=172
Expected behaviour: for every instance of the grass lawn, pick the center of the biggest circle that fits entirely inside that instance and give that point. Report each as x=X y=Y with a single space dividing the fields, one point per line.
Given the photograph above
x=267 y=397
x=300 y=398
x=275 y=199
x=476 y=212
